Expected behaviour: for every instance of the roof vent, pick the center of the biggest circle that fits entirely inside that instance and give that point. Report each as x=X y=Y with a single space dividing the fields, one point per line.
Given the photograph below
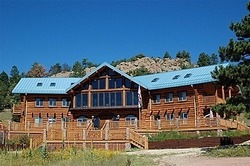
x=39 y=84
x=187 y=75
x=52 y=84
x=176 y=77
x=155 y=79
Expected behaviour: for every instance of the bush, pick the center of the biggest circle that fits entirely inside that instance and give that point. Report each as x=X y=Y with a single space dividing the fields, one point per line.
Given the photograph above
x=229 y=151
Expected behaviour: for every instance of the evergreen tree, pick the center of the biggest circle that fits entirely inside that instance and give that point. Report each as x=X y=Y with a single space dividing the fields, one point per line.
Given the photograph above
x=14 y=79
x=167 y=55
x=184 y=55
x=66 y=67
x=78 y=70
x=56 y=68
x=4 y=91
x=236 y=74
x=214 y=59
x=204 y=60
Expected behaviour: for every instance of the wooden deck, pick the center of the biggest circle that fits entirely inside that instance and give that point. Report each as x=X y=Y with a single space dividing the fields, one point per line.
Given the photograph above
x=115 y=135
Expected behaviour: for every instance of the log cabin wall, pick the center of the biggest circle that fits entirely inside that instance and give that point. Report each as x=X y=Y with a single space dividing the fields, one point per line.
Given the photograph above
x=162 y=108
x=58 y=111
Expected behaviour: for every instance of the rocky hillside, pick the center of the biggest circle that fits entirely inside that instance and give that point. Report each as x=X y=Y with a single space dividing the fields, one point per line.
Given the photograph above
x=154 y=65
x=147 y=64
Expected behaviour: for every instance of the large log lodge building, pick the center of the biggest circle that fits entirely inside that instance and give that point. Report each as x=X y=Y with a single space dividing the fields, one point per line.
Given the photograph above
x=106 y=93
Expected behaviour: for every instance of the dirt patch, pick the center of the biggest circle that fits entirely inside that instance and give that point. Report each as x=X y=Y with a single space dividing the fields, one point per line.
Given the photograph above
x=198 y=143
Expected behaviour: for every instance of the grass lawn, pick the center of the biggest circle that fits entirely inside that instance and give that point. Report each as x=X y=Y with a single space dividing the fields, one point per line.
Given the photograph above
x=74 y=157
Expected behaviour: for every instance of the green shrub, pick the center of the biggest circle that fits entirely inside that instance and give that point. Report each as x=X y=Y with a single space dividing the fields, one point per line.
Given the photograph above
x=230 y=151
x=162 y=136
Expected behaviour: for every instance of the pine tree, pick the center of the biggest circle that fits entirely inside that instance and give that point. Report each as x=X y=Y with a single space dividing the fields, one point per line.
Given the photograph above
x=236 y=74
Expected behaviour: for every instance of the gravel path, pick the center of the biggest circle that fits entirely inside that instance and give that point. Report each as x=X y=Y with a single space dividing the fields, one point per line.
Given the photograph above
x=191 y=157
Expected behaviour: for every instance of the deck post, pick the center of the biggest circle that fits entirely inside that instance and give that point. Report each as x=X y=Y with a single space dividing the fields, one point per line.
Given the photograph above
x=106 y=133
x=106 y=146
x=127 y=133
x=44 y=137
x=84 y=134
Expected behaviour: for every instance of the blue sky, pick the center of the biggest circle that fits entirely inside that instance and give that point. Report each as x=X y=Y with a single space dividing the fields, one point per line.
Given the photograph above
x=65 y=31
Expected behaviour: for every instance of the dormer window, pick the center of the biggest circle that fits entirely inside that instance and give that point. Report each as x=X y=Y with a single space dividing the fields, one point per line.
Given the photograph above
x=39 y=84
x=176 y=77
x=52 y=84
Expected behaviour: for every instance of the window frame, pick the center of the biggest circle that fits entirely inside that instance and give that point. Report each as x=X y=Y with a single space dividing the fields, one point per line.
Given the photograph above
x=40 y=102
x=166 y=97
x=155 y=99
x=54 y=102
x=67 y=100
x=180 y=96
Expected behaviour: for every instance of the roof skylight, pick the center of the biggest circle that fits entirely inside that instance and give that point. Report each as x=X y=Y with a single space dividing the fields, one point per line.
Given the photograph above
x=155 y=79
x=39 y=84
x=176 y=77
x=187 y=75
x=52 y=84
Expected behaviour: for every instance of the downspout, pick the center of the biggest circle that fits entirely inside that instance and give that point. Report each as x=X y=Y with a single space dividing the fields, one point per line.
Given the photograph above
x=26 y=112
x=195 y=110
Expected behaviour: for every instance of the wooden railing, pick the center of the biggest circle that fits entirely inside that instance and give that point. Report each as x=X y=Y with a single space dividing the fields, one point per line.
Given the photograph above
x=17 y=109
x=36 y=141
x=138 y=139
x=234 y=124
x=209 y=100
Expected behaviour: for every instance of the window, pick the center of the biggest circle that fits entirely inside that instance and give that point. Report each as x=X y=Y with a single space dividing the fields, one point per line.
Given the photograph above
x=182 y=96
x=39 y=102
x=127 y=83
x=187 y=75
x=102 y=84
x=52 y=102
x=169 y=97
x=82 y=119
x=183 y=115
x=51 y=119
x=84 y=100
x=52 y=84
x=95 y=84
x=98 y=84
x=38 y=120
x=94 y=99
x=65 y=102
x=115 y=83
x=170 y=116
x=78 y=100
x=131 y=98
x=157 y=98
x=85 y=86
x=176 y=77
x=39 y=84
x=155 y=79
x=131 y=120
x=65 y=119
x=118 y=83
